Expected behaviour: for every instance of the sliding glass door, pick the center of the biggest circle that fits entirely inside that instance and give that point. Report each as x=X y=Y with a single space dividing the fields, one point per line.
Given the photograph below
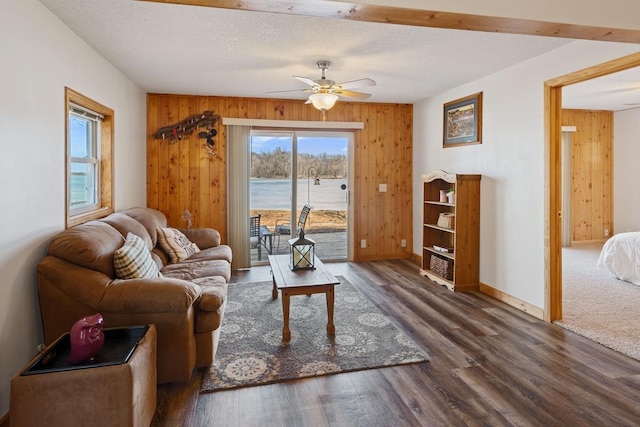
x=319 y=161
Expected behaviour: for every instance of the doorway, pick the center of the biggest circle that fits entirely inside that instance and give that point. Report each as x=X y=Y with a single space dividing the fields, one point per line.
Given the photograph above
x=553 y=208
x=293 y=169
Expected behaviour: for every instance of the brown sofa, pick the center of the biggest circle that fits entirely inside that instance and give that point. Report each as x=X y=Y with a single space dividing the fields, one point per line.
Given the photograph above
x=77 y=278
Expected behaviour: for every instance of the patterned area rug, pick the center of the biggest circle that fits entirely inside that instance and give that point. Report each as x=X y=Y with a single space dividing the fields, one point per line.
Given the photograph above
x=251 y=350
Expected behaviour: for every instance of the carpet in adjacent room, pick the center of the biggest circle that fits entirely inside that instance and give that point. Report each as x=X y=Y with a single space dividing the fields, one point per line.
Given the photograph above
x=596 y=305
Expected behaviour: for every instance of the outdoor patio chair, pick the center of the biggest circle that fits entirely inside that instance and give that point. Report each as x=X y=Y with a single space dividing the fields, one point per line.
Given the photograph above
x=255 y=239
x=283 y=225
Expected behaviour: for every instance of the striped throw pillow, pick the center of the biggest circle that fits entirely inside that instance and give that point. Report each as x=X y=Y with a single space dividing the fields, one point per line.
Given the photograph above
x=134 y=260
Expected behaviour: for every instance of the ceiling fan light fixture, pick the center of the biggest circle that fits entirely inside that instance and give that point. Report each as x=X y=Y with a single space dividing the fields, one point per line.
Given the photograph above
x=327 y=92
x=323 y=101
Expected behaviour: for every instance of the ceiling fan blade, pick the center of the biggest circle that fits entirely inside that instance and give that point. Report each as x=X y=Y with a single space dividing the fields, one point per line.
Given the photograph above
x=351 y=94
x=292 y=90
x=357 y=83
x=306 y=80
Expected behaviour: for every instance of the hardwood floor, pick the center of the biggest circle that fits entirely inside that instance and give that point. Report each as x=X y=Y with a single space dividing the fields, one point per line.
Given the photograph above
x=490 y=365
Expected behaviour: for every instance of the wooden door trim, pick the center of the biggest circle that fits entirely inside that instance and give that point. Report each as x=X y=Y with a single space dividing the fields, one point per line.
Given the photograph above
x=553 y=139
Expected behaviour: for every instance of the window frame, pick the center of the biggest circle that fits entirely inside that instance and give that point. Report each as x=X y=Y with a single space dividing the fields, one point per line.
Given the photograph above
x=92 y=158
x=104 y=161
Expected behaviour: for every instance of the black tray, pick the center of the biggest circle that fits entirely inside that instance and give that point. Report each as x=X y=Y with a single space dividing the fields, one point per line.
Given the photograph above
x=119 y=344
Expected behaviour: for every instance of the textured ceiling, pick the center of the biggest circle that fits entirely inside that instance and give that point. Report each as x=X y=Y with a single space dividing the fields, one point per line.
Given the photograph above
x=176 y=49
x=615 y=92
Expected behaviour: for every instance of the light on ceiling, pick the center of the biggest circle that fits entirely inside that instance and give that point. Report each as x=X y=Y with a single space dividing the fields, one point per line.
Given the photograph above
x=323 y=101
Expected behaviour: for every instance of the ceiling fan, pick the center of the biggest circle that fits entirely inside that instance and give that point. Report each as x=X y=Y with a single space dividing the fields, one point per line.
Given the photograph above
x=325 y=92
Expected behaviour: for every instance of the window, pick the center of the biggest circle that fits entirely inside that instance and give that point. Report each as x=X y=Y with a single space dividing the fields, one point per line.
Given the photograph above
x=84 y=159
x=89 y=148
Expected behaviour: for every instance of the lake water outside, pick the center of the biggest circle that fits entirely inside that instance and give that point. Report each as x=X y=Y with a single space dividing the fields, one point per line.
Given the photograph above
x=275 y=194
x=271 y=198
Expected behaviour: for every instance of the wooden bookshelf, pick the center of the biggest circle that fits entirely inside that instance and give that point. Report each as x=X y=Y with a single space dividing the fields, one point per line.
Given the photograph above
x=463 y=239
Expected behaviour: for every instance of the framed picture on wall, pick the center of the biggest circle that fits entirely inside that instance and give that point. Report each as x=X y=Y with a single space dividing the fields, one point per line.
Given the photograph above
x=463 y=121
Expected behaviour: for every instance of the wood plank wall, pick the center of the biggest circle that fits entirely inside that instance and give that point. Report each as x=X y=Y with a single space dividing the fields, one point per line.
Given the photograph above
x=592 y=174
x=182 y=175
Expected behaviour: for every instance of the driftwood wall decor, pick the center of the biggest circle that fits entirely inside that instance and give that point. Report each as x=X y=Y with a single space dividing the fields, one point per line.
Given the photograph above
x=185 y=128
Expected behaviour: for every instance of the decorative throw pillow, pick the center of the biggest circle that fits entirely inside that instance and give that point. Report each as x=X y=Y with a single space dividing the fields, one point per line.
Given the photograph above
x=176 y=244
x=134 y=260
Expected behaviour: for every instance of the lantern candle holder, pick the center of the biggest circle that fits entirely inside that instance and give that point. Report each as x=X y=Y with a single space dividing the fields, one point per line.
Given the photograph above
x=302 y=253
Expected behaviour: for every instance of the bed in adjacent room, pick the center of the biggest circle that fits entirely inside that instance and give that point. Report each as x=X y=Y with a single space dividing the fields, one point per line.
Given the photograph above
x=620 y=256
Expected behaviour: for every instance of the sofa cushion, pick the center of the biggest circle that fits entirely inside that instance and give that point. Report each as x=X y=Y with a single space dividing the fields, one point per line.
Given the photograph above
x=133 y=260
x=203 y=237
x=126 y=224
x=151 y=219
x=222 y=252
x=176 y=244
x=214 y=292
x=160 y=257
x=90 y=245
x=210 y=305
x=197 y=269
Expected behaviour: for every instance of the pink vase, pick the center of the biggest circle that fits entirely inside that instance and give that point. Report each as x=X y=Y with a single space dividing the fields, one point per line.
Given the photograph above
x=87 y=338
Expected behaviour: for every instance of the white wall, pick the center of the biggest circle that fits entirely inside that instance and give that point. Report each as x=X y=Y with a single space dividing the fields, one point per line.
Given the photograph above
x=510 y=159
x=626 y=153
x=40 y=56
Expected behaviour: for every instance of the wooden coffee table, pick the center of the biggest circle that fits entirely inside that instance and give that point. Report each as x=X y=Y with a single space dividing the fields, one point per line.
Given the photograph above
x=302 y=282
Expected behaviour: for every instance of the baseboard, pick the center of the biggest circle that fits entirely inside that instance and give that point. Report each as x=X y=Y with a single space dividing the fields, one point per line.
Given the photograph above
x=417 y=259
x=4 y=421
x=587 y=242
x=512 y=301
x=501 y=296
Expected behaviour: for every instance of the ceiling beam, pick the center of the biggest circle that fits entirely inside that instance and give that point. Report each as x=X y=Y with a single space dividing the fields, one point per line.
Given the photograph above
x=420 y=18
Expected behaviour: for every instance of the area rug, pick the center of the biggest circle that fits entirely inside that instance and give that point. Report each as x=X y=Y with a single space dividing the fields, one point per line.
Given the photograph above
x=596 y=305
x=251 y=351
